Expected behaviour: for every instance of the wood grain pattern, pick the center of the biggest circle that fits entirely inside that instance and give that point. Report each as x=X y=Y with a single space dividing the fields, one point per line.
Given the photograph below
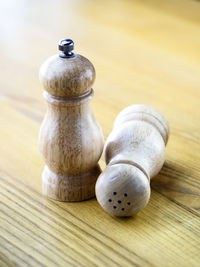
x=70 y=138
x=144 y=52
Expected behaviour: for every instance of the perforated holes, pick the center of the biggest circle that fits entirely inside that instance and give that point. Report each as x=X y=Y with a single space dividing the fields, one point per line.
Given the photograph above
x=115 y=201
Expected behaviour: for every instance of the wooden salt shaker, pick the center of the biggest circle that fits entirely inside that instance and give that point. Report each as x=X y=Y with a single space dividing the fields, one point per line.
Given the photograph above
x=134 y=153
x=70 y=138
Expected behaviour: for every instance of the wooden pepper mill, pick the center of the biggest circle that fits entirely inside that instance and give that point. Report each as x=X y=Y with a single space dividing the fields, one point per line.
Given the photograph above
x=70 y=139
x=134 y=153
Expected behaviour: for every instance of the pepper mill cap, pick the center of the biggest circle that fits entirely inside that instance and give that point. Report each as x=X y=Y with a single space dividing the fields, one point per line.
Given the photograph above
x=67 y=75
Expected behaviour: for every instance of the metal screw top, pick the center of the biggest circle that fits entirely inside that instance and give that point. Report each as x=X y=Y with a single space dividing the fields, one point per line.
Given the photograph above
x=66 y=46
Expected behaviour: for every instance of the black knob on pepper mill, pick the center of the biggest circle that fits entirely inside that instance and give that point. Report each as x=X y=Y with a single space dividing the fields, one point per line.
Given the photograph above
x=66 y=46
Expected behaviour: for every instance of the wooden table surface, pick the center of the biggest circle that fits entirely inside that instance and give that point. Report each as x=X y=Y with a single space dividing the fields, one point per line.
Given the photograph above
x=144 y=52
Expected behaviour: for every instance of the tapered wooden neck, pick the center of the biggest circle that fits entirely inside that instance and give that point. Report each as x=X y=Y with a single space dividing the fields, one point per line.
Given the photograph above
x=60 y=105
x=137 y=143
x=142 y=133
x=147 y=114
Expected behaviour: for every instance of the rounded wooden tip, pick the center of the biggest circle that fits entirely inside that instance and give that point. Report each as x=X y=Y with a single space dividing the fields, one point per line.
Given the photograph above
x=67 y=77
x=122 y=190
x=145 y=113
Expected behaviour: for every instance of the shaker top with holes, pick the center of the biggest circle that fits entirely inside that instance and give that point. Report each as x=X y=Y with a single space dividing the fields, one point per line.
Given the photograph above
x=134 y=153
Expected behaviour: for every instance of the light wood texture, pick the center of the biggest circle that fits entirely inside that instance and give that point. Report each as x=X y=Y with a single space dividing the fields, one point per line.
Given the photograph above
x=134 y=154
x=70 y=138
x=143 y=52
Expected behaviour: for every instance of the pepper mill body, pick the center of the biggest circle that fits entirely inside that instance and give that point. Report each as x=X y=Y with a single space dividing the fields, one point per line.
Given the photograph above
x=70 y=138
x=134 y=154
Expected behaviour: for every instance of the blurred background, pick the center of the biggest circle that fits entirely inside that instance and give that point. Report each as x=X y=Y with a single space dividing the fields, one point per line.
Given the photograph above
x=134 y=46
x=143 y=51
